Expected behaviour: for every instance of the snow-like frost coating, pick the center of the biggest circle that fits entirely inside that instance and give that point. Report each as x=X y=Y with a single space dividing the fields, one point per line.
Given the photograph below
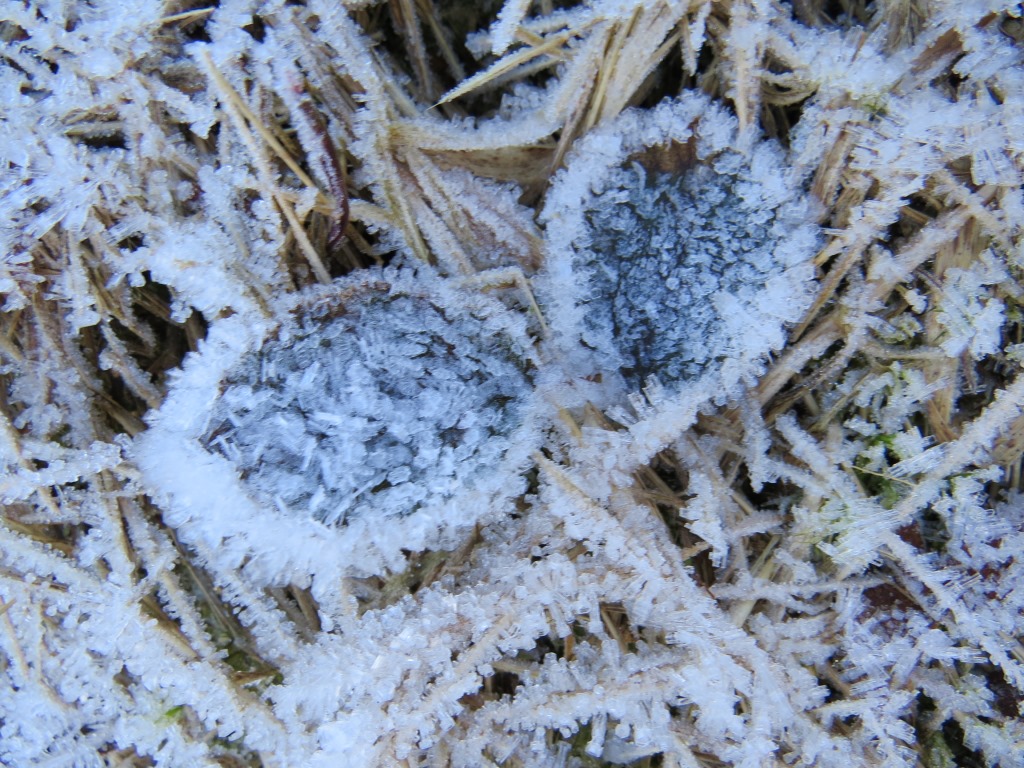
x=379 y=406
x=676 y=251
x=386 y=413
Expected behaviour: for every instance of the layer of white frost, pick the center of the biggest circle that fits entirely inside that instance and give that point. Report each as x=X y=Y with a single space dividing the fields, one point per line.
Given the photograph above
x=284 y=519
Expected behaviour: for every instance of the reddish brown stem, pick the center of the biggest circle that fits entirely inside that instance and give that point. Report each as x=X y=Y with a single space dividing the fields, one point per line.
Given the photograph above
x=330 y=170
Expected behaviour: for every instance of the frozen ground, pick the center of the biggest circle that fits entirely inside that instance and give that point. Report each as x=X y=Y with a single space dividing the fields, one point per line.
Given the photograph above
x=431 y=383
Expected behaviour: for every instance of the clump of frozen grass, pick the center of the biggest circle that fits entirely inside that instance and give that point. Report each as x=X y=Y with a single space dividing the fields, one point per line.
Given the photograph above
x=384 y=398
x=683 y=249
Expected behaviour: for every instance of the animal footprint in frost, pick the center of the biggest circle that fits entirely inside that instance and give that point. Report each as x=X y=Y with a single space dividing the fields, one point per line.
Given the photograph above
x=389 y=413
x=675 y=252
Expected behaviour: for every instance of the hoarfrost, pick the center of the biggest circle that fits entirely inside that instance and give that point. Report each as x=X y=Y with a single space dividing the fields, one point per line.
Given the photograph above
x=682 y=252
x=803 y=545
x=393 y=396
x=382 y=405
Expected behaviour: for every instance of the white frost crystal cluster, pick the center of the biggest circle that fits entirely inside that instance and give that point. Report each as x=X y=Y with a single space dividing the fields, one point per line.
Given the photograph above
x=388 y=396
x=681 y=248
x=667 y=246
x=382 y=405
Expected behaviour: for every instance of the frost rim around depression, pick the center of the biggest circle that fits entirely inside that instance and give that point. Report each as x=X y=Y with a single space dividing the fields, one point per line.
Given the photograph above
x=317 y=443
x=677 y=249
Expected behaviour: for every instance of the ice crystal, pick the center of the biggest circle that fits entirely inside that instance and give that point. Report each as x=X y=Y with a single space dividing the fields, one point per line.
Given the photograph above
x=690 y=250
x=391 y=395
x=662 y=247
x=380 y=404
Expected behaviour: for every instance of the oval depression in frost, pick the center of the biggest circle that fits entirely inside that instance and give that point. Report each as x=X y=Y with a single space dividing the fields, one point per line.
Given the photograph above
x=676 y=251
x=389 y=413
